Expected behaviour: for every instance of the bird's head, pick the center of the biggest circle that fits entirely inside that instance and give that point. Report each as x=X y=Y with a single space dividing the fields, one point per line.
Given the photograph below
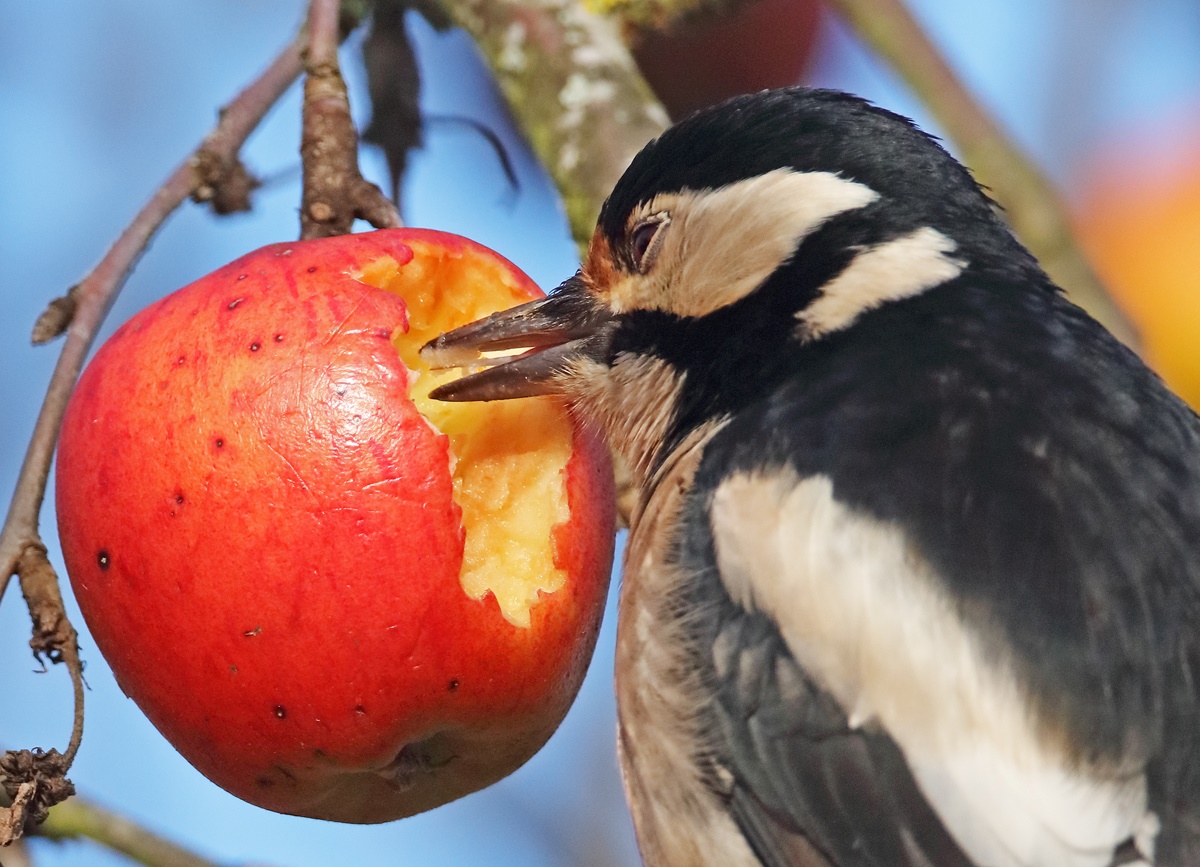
x=736 y=239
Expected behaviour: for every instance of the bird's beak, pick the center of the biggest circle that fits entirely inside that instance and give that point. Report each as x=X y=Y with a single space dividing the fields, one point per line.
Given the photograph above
x=555 y=331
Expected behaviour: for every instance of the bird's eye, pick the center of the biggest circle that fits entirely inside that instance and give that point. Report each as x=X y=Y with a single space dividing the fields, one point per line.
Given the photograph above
x=644 y=241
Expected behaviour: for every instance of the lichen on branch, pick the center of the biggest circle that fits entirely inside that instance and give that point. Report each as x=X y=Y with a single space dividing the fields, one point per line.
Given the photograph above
x=574 y=89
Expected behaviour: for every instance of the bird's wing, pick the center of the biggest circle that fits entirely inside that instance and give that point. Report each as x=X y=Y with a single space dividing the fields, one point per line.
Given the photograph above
x=800 y=770
x=989 y=589
x=854 y=706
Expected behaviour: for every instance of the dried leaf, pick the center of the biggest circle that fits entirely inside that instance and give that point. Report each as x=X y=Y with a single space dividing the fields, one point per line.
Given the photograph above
x=394 y=85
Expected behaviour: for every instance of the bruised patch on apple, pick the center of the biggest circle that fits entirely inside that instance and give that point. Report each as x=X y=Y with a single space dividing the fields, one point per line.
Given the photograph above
x=508 y=458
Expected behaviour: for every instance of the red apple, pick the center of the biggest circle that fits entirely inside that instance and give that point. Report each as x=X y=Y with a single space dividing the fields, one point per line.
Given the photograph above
x=336 y=597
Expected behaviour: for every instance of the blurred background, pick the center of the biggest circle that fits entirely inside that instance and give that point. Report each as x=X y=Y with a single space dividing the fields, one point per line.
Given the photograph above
x=101 y=101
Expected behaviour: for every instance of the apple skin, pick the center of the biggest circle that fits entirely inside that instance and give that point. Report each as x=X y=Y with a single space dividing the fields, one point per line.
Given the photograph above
x=260 y=530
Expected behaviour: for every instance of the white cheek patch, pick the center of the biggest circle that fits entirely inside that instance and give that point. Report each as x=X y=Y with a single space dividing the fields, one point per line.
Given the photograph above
x=864 y=614
x=722 y=244
x=891 y=271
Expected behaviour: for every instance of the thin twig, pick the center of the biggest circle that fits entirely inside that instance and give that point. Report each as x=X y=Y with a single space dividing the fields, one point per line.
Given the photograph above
x=81 y=818
x=54 y=637
x=335 y=193
x=17 y=855
x=21 y=550
x=323 y=32
x=1033 y=207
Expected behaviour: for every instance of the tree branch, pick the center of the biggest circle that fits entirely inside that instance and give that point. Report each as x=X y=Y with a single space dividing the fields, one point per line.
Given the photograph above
x=335 y=193
x=17 y=855
x=1032 y=205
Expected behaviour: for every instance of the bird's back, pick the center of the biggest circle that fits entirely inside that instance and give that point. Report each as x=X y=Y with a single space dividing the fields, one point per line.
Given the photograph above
x=1039 y=473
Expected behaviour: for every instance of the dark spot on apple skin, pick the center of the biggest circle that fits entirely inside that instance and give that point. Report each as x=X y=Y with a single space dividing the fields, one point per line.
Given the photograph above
x=219 y=442
x=241 y=276
x=279 y=338
x=233 y=669
x=265 y=782
x=286 y=773
x=360 y=710
x=318 y=753
x=234 y=303
x=255 y=346
x=179 y=498
x=180 y=361
x=280 y=712
x=454 y=684
x=103 y=560
x=312 y=269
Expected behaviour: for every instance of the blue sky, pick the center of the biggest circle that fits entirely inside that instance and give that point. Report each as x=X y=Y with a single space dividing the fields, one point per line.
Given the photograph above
x=101 y=101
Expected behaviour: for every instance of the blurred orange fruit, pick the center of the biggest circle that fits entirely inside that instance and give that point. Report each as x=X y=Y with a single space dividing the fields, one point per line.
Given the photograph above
x=1139 y=222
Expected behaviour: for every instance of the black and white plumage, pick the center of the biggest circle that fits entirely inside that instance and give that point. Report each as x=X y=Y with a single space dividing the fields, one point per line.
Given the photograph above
x=914 y=576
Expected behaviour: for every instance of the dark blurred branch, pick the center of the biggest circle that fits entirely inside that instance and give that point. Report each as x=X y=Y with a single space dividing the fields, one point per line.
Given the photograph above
x=1033 y=207
x=335 y=193
x=394 y=87
x=35 y=780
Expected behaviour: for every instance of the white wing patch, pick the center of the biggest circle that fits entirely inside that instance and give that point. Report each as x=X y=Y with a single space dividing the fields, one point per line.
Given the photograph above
x=864 y=614
x=896 y=269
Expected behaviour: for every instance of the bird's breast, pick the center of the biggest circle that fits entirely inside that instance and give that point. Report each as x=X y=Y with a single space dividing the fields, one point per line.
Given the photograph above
x=678 y=816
